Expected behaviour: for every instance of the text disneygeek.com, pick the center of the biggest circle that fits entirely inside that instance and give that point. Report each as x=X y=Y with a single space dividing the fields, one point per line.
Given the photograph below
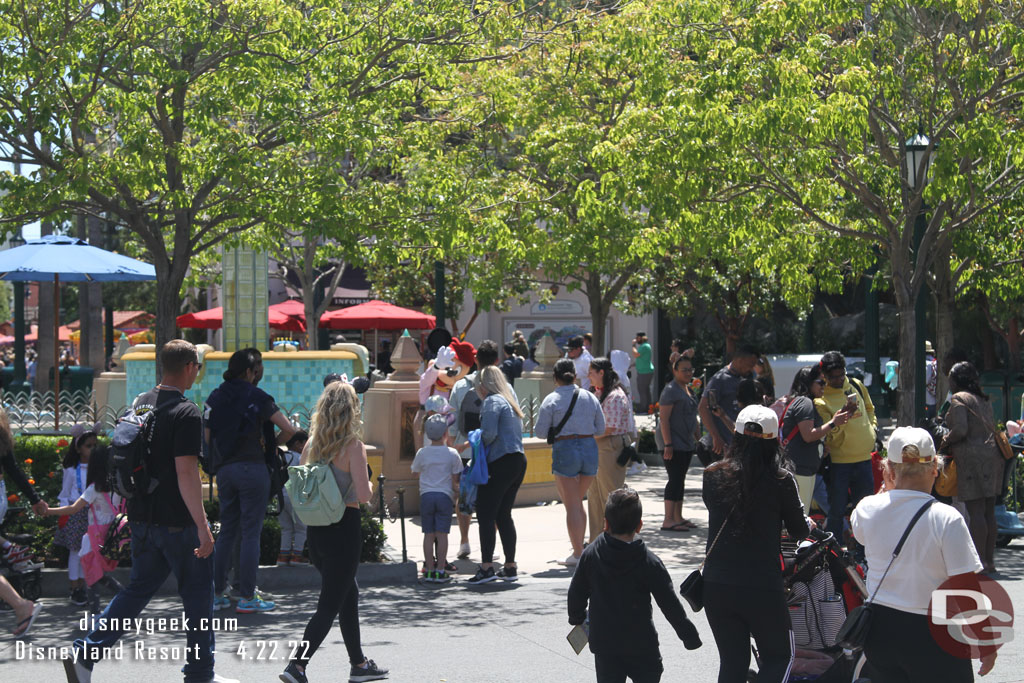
x=258 y=650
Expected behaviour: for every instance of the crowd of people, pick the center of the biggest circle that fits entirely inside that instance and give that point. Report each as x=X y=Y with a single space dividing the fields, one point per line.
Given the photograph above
x=763 y=463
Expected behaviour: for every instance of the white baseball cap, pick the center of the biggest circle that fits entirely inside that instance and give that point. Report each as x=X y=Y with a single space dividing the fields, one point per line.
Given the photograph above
x=910 y=436
x=760 y=415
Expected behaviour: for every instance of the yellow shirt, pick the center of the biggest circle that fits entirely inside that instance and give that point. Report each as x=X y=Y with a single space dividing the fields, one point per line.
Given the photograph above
x=854 y=441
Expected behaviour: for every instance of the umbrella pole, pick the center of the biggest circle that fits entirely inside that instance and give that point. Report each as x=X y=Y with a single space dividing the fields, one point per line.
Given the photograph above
x=376 y=348
x=56 y=354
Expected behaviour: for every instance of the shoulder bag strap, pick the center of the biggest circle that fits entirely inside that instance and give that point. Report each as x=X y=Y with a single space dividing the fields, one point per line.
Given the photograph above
x=717 y=536
x=568 y=413
x=796 y=427
x=988 y=424
x=899 y=546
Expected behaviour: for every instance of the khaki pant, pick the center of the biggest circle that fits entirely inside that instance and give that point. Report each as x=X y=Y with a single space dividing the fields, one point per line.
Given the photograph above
x=610 y=476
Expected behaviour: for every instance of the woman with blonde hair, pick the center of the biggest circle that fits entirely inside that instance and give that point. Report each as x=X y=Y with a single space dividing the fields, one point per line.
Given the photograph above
x=501 y=427
x=334 y=438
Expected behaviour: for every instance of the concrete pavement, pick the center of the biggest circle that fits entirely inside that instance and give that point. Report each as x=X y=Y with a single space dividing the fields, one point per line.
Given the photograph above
x=453 y=633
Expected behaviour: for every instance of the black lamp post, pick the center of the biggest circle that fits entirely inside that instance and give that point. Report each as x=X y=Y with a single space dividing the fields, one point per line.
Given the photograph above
x=18 y=384
x=918 y=161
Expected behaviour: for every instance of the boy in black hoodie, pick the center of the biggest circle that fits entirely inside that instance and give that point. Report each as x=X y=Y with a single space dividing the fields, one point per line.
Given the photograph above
x=618 y=575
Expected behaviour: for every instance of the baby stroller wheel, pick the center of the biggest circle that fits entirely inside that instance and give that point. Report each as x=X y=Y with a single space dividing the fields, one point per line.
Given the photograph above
x=31 y=587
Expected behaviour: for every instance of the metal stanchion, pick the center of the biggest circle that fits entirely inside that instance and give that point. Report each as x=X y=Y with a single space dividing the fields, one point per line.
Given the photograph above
x=401 y=515
x=380 y=490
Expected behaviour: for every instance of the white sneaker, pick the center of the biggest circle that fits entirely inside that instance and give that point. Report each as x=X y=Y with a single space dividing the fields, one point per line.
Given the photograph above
x=463 y=551
x=571 y=561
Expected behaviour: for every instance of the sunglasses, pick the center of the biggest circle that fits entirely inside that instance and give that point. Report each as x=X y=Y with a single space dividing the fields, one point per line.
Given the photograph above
x=819 y=381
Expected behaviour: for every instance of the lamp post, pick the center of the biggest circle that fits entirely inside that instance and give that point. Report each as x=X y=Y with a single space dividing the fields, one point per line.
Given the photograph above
x=918 y=160
x=19 y=326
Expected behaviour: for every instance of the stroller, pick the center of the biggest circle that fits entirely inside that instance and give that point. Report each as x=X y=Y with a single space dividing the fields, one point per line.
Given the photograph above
x=28 y=579
x=822 y=584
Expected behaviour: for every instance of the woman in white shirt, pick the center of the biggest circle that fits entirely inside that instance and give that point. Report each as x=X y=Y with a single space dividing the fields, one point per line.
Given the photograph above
x=900 y=645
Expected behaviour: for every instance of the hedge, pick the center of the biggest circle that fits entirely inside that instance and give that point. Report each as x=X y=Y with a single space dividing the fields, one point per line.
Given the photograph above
x=40 y=458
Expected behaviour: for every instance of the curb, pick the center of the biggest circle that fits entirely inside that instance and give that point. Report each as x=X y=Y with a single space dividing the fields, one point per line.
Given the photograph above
x=270 y=578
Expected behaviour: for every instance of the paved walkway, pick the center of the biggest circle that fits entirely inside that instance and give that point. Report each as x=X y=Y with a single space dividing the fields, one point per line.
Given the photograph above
x=456 y=633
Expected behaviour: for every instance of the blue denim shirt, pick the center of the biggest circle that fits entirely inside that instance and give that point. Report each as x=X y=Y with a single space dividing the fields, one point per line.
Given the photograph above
x=501 y=428
x=587 y=417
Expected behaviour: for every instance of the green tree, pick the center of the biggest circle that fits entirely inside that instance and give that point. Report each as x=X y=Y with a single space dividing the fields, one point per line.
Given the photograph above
x=189 y=123
x=815 y=104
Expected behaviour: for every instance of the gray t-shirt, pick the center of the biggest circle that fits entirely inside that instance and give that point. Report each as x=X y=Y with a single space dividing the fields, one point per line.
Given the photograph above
x=726 y=384
x=805 y=455
x=683 y=418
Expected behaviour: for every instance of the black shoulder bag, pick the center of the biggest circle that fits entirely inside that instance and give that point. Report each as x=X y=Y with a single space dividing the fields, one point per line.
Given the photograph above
x=553 y=431
x=854 y=631
x=692 y=587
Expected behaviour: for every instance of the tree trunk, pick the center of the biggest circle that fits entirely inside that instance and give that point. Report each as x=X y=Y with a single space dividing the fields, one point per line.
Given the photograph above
x=170 y=276
x=908 y=330
x=945 y=294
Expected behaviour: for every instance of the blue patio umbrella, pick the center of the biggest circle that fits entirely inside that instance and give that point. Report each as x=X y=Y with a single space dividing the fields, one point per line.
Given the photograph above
x=69 y=259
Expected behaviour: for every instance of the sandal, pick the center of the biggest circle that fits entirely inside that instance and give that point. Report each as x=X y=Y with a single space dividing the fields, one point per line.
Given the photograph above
x=27 y=622
x=676 y=527
x=688 y=524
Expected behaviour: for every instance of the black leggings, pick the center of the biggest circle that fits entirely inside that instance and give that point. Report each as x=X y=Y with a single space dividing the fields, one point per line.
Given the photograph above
x=335 y=552
x=617 y=668
x=735 y=613
x=900 y=649
x=676 y=468
x=494 y=502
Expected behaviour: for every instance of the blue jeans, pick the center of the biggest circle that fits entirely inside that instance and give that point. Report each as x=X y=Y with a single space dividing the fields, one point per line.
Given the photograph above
x=821 y=494
x=850 y=482
x=244 y=489
x=573 y=457
x=156 y=552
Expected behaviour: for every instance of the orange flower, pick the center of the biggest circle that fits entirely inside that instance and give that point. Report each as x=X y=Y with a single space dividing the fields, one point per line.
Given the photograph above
x=28 y=461
x=32 y=482
x=52 y=475
x=13 y=498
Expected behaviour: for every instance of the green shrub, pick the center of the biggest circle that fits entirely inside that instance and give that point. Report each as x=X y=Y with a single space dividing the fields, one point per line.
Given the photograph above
x=373 y=537
x=646 y=443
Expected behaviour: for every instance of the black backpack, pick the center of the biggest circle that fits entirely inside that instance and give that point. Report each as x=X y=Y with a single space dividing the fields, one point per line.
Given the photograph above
x=130 y=476
x=468 y=418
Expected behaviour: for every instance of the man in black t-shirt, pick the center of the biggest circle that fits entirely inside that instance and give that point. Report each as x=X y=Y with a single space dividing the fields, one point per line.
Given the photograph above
x=169 y=528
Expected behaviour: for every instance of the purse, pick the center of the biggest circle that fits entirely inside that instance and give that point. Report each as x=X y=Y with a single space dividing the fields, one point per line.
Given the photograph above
x=945 y=485
x=692 y=587
x=1002 y=443
x=854 y=631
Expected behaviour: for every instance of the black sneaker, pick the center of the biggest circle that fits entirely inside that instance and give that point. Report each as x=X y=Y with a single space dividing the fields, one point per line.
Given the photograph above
x=291 y=674
x=78 y=597
x=372 y=672
x=508 y=574
x=483 y=576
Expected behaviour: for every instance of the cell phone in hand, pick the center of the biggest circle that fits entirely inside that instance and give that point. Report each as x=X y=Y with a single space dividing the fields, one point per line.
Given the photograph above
x=712 y=401
x=851 y=402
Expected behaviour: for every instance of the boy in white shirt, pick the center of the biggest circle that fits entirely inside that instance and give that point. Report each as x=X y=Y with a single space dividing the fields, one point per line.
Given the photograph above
x=438 y=468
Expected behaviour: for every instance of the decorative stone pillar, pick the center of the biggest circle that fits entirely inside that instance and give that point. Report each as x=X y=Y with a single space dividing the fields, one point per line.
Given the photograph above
x=389 y=409
x=533 y=386
x=245 y=299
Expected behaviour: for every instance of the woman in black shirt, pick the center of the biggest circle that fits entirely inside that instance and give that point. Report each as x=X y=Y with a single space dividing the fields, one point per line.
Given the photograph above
x=749 y=497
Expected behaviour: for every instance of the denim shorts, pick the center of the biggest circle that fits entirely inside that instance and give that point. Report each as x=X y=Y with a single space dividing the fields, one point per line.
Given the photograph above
x=572 y=457
x=436 y=512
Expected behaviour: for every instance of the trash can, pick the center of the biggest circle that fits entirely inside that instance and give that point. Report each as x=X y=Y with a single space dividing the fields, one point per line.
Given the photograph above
x=994 y=384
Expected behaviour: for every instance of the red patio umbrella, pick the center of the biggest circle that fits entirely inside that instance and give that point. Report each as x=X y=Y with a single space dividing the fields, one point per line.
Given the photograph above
x=376 y=315
x=213 y=319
